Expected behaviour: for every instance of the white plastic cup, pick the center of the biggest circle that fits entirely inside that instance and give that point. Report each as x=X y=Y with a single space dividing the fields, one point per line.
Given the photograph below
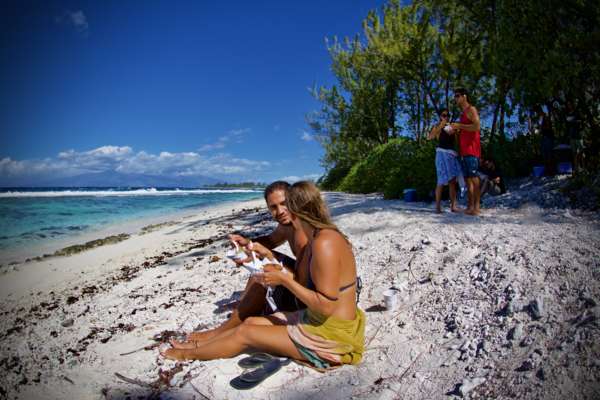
x=391 y=299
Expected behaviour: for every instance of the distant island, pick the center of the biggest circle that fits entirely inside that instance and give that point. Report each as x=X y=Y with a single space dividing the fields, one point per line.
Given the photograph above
x=240 y=185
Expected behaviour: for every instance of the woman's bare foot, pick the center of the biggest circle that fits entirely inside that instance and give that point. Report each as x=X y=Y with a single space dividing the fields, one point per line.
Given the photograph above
x=182 y=345
x=438 y=210
x=456 y=209
x=176 y=354
x=472 y=212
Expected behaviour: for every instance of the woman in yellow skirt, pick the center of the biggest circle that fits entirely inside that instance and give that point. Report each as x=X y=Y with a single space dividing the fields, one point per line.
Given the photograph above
x=330 y=331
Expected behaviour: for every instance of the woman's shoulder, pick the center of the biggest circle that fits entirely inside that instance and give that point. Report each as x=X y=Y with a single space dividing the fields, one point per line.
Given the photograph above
x=328 y=239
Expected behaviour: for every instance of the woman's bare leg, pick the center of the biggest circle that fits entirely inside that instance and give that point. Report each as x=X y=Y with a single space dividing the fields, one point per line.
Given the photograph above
x=267 y=321
x=271 y=339
x=438 y=198
x=452 y=188
x=251 y=304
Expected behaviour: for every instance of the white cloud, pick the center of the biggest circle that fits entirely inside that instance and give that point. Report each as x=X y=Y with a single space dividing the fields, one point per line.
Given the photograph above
x=295 y=178
x=307 y=137
x=234 y=135
x=79 y=20
x=124 y=159
x=76 y=19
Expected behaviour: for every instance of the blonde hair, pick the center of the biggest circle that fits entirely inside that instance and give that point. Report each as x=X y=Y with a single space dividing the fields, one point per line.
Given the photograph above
x=305 y=202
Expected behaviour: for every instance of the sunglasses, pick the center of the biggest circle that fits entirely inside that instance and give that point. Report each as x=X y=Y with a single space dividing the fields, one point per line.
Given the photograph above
x=444 y=115
x=456 y=96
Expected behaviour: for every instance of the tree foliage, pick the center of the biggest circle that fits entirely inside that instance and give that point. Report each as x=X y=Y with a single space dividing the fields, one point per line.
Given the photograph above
x=395 y=77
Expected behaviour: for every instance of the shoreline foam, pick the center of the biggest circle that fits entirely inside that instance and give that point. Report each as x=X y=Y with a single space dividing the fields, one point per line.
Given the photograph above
x=132 y=227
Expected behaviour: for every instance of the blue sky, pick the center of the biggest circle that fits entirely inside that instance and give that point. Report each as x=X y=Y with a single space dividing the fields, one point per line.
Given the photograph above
x=187 y=87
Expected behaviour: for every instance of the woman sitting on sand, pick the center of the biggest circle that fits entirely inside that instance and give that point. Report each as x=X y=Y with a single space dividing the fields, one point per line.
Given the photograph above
x=330 y=331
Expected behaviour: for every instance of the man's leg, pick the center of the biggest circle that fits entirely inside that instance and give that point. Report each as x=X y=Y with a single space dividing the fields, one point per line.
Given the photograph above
x=477 y=196
x=470 y=193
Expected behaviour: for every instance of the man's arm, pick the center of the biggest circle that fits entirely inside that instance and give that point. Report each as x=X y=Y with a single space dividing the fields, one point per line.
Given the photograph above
x=473 y=115
x=274 y=239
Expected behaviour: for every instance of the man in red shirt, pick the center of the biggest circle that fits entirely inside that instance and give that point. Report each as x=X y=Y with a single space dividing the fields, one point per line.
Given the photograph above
x=469 y=147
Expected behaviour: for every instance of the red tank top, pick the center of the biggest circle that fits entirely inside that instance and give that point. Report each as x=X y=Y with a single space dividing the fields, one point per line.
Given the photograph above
x=469 y=142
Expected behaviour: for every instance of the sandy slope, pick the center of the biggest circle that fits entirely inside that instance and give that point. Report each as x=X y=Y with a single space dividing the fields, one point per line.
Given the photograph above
x=467 y=283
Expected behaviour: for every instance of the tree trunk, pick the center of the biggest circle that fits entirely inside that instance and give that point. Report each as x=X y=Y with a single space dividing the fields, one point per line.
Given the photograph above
x=391 y=95
x=418 y=119
x=501 y=132
x=494 y=120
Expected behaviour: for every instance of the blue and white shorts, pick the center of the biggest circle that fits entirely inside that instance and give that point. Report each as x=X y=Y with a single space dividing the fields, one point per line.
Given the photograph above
x=470 y=165
x=446 y=165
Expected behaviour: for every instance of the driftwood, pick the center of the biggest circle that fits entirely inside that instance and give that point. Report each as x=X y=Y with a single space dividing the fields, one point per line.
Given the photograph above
x=134 y=381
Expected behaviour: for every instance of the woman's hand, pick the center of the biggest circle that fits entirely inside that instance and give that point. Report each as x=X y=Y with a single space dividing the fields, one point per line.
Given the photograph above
x=272 y=276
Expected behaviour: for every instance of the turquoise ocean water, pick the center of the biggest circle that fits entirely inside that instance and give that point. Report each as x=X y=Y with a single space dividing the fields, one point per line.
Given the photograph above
x=32 y=217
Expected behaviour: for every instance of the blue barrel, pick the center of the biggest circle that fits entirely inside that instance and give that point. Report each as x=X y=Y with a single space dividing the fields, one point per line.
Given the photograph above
x=538 y=171
x=410 y=195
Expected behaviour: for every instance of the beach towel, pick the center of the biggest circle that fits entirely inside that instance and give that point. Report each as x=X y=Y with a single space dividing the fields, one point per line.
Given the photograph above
x=447 y=167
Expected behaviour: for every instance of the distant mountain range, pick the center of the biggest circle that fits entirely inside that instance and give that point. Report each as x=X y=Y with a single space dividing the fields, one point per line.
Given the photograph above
x=117 y=179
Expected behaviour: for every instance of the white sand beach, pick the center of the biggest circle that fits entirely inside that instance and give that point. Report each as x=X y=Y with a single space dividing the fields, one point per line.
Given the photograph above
x=503 y=306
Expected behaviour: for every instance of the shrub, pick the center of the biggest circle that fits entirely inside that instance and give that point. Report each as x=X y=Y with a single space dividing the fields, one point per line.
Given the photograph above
x=370 y=174
x=515 y=157
x=332 y=179
x=414 y=169
x=392 y=167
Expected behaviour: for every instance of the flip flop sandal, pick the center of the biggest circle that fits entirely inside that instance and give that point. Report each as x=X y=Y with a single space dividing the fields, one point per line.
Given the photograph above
x=249 y=380
x=255 y=360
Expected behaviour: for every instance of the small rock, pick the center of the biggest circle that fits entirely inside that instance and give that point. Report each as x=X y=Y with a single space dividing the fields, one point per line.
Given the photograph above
x=426 y=242
x=68 y=322
x=465 y=345
x=516 y=333
x=413 y=354
x=588 y=301
x=527 y=341
x=536 y=307
x=527 y=365
x=469 y=384
x=540 y=374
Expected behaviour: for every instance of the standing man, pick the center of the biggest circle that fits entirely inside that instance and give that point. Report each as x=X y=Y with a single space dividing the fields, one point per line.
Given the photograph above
x=469 y=144
x=253 y=303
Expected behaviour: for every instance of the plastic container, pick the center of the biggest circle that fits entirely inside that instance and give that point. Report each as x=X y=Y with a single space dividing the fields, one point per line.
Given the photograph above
x=538 y=171
x=410 y=195
x=564 y=168
x=391 y=298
